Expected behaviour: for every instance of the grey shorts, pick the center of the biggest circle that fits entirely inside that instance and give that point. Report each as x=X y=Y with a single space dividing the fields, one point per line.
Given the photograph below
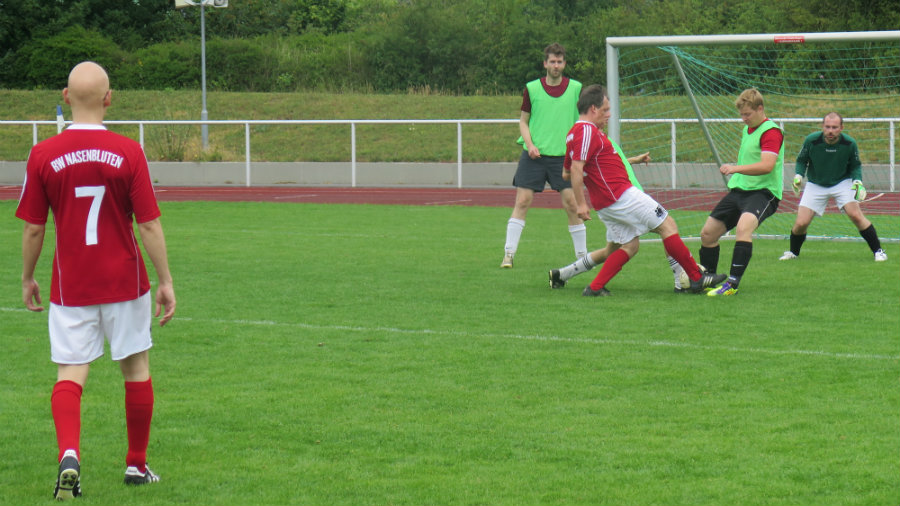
x=535 y=174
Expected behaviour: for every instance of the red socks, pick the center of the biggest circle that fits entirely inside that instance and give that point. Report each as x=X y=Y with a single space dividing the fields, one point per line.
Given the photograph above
x=613 y=264
x=676 y=249
x=65 y=402
x=138 y=413
x=673 y=245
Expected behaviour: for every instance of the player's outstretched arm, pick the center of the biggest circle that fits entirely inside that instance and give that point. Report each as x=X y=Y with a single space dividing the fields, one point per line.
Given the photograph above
x=154 y=242
x=32 y=242
x=641 y=158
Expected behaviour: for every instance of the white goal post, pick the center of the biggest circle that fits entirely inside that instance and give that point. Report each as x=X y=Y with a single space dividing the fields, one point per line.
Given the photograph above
x=614 y=43
x=674 y=96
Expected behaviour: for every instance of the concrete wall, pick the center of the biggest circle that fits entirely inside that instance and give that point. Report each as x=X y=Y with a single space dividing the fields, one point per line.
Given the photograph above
x=333 y=173
x=311 y=174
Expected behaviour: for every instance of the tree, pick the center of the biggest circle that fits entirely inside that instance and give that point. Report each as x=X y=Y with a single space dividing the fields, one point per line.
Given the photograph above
x=47 y=62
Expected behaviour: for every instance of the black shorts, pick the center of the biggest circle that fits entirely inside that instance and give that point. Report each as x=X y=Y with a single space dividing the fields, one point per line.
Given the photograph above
x=534 y=174
x=760 y=203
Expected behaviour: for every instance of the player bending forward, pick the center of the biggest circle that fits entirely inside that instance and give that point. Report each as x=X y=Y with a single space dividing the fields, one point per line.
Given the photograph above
x=628 y=213
x=830 y=161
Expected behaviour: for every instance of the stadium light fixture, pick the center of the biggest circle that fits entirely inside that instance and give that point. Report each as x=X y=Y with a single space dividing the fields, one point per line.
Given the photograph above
x=204 y=115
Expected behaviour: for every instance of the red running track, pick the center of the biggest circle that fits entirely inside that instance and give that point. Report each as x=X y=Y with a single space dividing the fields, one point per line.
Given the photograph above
x=703 y=200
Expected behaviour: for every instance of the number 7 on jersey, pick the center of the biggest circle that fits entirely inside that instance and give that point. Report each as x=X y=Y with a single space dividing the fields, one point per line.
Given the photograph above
x=90 y=228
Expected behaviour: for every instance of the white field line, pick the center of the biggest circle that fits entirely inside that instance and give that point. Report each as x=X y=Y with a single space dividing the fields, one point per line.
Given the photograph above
x=523 y=337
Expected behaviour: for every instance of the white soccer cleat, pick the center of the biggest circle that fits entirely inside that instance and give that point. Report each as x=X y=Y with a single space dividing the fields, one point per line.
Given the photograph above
x=507 y=262
x=788 y=256
x=880 y=256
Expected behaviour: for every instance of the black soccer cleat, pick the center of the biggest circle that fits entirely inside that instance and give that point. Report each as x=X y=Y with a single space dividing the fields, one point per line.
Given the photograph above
x=590 y=292
x=133 y=476
x=707 y=280
x=68 y=481
x=555 y=282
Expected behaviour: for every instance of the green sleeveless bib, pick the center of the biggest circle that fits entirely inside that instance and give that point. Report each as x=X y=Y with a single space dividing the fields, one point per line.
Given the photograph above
x=551 y=117
x=750 y=153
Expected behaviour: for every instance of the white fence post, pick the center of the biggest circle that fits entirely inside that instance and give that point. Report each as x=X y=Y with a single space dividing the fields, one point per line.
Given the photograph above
x=353 y=154
x=893 y=154
x=673 y=151
x=247 y=152
x=459 y=154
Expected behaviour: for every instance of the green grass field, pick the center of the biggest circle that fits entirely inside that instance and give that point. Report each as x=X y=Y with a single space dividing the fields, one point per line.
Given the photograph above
x=341 y=354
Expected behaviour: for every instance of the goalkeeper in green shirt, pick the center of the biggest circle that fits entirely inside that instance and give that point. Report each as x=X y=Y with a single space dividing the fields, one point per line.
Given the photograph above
x=830 y=161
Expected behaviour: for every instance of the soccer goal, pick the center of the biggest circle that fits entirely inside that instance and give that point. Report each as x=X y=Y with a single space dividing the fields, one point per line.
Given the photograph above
x=674 y=97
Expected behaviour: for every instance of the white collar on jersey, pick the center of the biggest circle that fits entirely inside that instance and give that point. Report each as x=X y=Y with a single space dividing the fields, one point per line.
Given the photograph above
x=85 y=126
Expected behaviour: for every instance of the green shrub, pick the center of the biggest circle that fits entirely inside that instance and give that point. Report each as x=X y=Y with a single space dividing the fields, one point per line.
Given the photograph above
x=47 y=62
x=240 y=65
x=161 y=66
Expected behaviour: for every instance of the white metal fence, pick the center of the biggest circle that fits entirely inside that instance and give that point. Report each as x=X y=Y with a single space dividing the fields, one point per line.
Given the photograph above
x=672 y=122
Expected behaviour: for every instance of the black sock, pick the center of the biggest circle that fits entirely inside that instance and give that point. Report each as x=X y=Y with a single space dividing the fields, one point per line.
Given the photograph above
x=871 y=237
x=797 y=241
x=743 y=250
x=709 y=258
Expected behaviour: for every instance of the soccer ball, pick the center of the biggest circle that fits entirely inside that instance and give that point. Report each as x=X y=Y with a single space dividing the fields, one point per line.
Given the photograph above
x=685 y=280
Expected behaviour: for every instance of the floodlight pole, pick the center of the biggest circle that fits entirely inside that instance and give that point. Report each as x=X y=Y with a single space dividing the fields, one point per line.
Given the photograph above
x=204 y=115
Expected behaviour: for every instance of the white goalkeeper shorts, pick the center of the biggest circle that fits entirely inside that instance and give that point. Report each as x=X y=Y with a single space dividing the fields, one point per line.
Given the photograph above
x=633 y=215
x=77 y=333
x=815 y=197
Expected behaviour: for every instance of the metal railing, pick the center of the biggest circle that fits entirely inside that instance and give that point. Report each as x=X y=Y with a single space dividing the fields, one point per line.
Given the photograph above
x=673 y=122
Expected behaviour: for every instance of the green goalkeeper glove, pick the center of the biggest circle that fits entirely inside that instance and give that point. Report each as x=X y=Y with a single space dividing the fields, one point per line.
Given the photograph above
x=859 y=191
x=798 y=180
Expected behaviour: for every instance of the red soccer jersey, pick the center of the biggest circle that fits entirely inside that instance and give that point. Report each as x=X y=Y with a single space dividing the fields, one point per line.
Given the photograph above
x=604 y=173
x=771 y=139
x=95 y=182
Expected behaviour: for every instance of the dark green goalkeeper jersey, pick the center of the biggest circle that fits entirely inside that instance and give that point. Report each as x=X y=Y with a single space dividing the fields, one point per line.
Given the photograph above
x=828 y=164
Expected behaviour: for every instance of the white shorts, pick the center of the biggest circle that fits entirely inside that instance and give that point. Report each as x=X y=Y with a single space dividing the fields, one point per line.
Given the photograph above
x=77 y=332
x=633 y=215
x=815 y=197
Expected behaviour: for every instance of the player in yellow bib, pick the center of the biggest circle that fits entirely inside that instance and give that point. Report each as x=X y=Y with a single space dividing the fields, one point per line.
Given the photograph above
x=755 y=186
x=549 y=109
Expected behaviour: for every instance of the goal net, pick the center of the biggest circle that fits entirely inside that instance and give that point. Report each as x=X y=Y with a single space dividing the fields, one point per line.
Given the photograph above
x=674 y=97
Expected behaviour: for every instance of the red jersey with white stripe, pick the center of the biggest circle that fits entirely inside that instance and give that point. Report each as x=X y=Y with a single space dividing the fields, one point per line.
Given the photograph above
x=605 y=175
x=95 y=182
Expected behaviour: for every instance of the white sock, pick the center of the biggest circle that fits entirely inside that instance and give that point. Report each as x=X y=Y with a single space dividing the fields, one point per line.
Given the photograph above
x=676 y=270
x=579 y=239
x=575 y=268
x=513 y=233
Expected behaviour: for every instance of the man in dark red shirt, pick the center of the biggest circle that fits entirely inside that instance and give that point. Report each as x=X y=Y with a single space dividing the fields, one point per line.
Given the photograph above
x=95 y=182
x=548 y=111
x=593 y=161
